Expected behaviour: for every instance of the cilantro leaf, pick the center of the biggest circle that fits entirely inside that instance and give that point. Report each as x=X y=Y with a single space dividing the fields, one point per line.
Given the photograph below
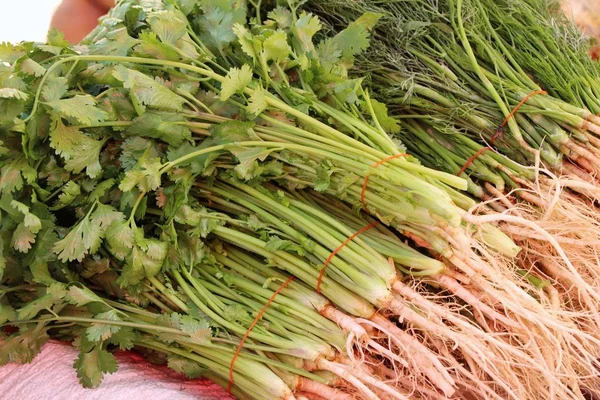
x=79 y=241
x=101 y=189
x=199 y=330
x=148 y=91
x=145 y=260
x=9 y=53
x=81 y=296
x=304 y=29
x=11 y=93
x=55 y=88
x=184 y=366
x=87 y=235
x=171 y=27
x=104 y=215
x=120 y=239
x=191 y=248
x=237 y=80
x=168 y=127
x=7 y=313
x=355 y=38
x=123 y=338
x=200 y=164
x=245 y=39
x=22 y=238
x=70 y=191
x=150 y=46
x=258 y=102
x=23 y=347
x=78 y=150
x=217 y=21
x=30 y=67
x=55 y=176
x=233 y=132
x=116 y=42
x=168 y=26
x=12 y=174
x=276 y=47
x=101 y=331
x=54 y=295
x=136 y=148
x=80 y=107
x=347 y=90
x=237 y=313
x=41 y=251
x=146 y=175
x=57 y=38
x=30 y=221
x=91 y=366
x=248 y=166
x=41 y=273
x=281 y=16
x=381 y=113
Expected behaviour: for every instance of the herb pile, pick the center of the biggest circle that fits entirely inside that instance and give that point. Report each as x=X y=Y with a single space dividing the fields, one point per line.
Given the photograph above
x=504 y=94
x=204 y=182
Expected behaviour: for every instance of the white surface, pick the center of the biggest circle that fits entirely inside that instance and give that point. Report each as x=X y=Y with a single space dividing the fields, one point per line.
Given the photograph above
x=50 y=376
x=25 y=19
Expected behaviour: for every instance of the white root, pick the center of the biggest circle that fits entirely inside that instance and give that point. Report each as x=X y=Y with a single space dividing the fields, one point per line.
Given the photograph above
x=340 y=371
x=424 y=360
x=388 y=353
x=457 y=289
x=325 y=391
x=368 y=378
x=346 y=322
x=483 y=219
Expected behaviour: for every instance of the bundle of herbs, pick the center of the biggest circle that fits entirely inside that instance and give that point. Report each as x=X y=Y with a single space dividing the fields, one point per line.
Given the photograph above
x=502 y=94
x=204 y=181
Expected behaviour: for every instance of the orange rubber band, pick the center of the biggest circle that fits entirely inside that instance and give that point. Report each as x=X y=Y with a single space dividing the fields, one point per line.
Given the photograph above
x=337 y=250
x=258 y=317
x=366 y=182
x=499 y=131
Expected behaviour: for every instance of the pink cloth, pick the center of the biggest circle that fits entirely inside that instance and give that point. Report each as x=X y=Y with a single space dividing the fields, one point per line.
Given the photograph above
x=50 y=376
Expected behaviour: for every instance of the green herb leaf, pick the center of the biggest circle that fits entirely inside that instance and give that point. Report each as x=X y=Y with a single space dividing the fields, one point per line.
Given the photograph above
x=30 y=67
x=148 y=91
x=304 y=29
x=184 y=366
x=237 y=80
x=199 y=330
x=258 y=102
x=101 y=331
x=276 y=47
x=70 y=191
x=77 y=149
x=80 y=296
x=217 y=21
x=91 y=366
x=11 y=93
x=87 y=235
x=146 y=175
x=168 y=127
x=116 y=42
x=355 y=38
x=55 y=88
x=80 y=107
x=21 y=348
x=54 y=295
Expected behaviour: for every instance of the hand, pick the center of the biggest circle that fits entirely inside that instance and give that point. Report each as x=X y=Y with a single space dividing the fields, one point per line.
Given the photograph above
x=76 y=18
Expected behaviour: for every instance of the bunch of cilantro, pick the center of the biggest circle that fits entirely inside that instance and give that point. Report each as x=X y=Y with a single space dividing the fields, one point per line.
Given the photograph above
x=160 y=181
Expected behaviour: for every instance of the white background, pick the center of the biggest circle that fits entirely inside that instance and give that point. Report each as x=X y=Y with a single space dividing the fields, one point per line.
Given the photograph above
x=25 y=19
